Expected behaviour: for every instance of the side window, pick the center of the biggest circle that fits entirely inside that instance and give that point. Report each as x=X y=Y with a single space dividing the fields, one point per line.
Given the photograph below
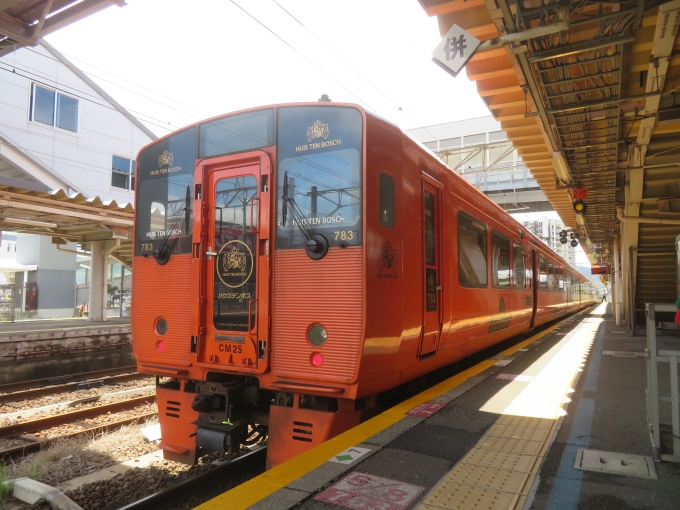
x=500 y=258
x=518 y=267
x=386 y=200
x=551 y=276
x=530 y=269
x=472 y=267
x=542 y=274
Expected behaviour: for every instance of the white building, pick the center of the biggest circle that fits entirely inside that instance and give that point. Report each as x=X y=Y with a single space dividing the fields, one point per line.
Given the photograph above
x=548 y=230
x=60 y=130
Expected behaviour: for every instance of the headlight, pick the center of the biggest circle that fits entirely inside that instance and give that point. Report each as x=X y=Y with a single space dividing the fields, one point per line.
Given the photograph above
x=161 y=326
x=317 y=335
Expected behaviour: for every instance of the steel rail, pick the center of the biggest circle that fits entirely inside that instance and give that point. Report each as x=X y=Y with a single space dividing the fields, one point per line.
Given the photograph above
x=172 y=496
x=18 y=396
x=24 y=385
x=33 y=445
x=61 y=419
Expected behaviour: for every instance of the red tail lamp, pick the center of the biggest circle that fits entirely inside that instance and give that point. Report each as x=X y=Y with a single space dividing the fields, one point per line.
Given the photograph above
x=160 y=346
x=316 y=359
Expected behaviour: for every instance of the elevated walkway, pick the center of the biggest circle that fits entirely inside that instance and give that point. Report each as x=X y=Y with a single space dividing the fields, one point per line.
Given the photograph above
x=537 y=427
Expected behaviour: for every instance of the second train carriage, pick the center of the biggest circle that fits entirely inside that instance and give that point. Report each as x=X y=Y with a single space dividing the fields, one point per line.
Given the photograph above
x=292 y=262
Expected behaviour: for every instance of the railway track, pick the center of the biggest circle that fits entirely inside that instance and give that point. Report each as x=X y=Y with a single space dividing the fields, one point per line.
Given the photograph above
x=63 y=380
x=24 y=430
x=89 y=383
x=242 y=468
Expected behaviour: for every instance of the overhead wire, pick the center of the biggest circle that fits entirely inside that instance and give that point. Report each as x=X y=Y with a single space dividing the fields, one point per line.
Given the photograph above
x=301 y=54
x=354 y=69
x=13 y=71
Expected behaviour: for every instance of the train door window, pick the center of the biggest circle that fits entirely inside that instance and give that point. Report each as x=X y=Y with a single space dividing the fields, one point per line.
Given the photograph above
x=542 y=274
x=518 y=272
x=472 y=239
x=500 y=258
x=386 y=200
x=530 y=269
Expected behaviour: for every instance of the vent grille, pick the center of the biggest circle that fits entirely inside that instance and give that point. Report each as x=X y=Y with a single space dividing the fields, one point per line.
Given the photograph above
x=306 y=433
x=173 y=405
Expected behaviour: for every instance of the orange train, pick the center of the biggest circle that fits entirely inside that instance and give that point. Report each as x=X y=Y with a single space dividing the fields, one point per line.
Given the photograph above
x=294 y=262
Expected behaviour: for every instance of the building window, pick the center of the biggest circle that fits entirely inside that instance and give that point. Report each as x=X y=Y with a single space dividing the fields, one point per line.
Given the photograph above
x=54 y=108
x=123 y=173
x=472 y=270
x=386 y=201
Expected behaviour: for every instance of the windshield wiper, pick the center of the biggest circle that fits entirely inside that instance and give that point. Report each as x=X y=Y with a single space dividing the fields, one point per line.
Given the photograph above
x=162 y=254
x=316 y=245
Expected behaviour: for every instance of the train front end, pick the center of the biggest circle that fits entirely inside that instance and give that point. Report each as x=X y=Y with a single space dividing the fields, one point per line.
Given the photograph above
x=248 y=294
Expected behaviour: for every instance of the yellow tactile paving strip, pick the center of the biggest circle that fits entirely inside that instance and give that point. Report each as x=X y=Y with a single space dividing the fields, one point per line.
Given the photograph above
x=258 y=488
x=499 y=471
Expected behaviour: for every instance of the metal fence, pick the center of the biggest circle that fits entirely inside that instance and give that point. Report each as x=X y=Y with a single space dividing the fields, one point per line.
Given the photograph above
x=665 y=435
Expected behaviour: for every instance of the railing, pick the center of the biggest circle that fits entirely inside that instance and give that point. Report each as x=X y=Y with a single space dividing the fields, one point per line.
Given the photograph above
x=660 y=430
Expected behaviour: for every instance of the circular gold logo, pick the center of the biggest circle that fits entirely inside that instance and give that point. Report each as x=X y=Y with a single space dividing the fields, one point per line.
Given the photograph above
x=235 y=264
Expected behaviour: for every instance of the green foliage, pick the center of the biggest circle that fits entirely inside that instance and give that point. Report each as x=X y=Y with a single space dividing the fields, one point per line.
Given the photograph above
x=5 y=487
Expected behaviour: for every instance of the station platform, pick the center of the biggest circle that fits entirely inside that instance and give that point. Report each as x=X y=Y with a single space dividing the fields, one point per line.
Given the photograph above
x=538 y=426
x=56 y=347
x=57 y=326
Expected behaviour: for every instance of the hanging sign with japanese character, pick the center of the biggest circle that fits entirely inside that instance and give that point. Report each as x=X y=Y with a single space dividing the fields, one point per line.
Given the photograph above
x=454 y=51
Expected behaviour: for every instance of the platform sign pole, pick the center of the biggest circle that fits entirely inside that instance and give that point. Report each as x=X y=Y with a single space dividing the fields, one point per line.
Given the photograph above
x=455 y=50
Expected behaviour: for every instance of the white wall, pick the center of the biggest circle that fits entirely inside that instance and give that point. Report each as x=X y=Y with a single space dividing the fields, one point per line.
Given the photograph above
x=82 y=159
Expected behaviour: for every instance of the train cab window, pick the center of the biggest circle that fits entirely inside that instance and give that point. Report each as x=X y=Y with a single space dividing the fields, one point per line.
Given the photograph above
x=518 y=273
x=472 y=267
x=500 y=258
x=386 y=200
x=542 y=274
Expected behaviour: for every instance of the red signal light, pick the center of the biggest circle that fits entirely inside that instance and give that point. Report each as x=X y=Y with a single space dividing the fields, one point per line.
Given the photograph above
x=316 y=359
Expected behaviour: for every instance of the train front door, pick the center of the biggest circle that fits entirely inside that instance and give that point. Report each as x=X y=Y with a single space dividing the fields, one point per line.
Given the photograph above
x=431 y=271
x=236 y=261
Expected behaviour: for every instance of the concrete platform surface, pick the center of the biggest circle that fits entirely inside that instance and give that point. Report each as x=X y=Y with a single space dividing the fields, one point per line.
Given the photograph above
x=45 y=325
x=507 y=438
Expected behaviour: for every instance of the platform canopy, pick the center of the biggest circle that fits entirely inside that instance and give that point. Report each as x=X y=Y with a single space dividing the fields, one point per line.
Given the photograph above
x=588 y=92
x=68 y=218
x=23 y=22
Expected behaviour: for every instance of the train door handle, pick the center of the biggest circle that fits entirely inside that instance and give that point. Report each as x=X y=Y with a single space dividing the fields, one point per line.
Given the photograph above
x=438 y=287
x=210 y=253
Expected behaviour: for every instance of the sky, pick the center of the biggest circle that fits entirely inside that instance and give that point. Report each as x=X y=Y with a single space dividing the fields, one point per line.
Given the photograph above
x=174 y=62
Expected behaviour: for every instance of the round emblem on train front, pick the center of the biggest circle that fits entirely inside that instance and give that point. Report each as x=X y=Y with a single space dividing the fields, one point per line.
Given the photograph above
x=235 y=264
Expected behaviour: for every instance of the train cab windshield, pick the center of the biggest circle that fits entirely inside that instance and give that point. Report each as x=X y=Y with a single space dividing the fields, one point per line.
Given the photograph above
x=165 y=194
x=319 y=175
